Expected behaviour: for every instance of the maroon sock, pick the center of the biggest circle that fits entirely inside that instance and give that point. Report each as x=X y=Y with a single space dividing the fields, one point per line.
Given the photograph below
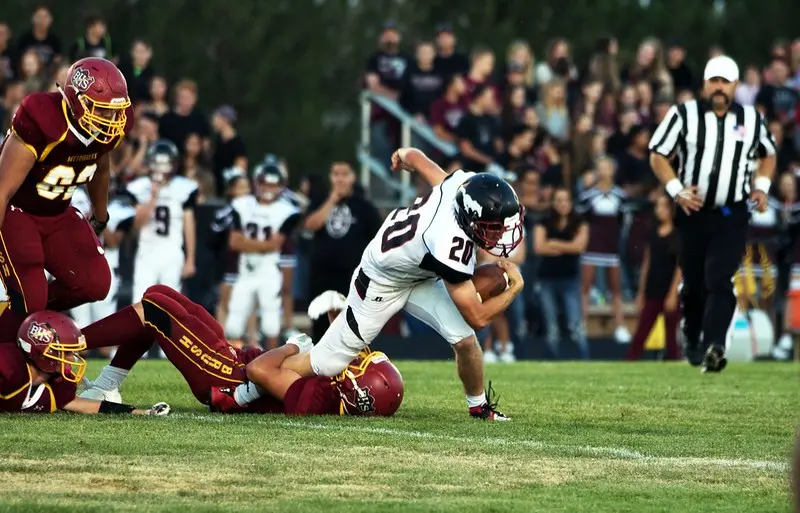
x=123 y=329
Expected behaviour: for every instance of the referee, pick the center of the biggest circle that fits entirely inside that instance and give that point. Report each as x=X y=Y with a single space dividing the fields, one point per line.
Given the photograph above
x=719 y=145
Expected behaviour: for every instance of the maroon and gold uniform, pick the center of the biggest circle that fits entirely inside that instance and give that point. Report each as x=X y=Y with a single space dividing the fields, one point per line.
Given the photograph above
x=40 y=229
x=19 y=394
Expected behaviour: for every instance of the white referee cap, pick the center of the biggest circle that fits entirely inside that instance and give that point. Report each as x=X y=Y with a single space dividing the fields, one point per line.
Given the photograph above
x=723 y=67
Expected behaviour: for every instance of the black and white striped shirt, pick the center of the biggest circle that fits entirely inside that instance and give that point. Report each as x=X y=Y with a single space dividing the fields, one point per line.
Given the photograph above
x=717 y=154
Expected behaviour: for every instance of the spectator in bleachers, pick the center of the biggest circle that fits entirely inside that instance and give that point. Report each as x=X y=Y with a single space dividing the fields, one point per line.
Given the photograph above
x=31 y=72
x=14 y=93
x=95 y=41
x=552 y=110
x=650 y=66
x=581 y=151
x=661 y=107
x=480 y=140
x=748 y=88
x=601 y=204
x=635 y=174
x=679 y=71
x=448 y=59
x=138 y=71
x=605 y=118
x=776 y=100
x=560 y=240
x=194 y=165
x=480 y=74
x=589 y=101
x=184 y=117
x=157 y=94
x=41 y=39
x=517 y=154
x=422 y=83
x=343 y=224
x=558 y=64
x=513 y=109
x=658 y=286
x=447 y=111
x=229 y=147
x=604 y=66
x=7 y=71
x=59 y=78
x=619 y=140
x=644 y=102
x=387 y=66
x=519 y=70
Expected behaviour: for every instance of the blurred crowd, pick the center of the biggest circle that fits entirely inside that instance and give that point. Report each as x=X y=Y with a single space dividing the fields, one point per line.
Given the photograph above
x=562 y=127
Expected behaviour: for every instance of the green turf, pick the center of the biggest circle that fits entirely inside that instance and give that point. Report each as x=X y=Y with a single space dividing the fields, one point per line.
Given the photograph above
x=585 y=437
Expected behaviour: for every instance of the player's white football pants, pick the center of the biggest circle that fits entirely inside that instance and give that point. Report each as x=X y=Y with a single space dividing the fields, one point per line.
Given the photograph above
x=156 y=266
x=364 y=318
x=262 y=284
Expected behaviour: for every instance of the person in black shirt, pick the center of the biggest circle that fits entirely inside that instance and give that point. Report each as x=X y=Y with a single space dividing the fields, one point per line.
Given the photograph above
x=560 y=240
x=776 y=100
x=387 y=66
x=229 y=148
x=184 y=118
x=7 y=70
x=41 y=39
x=658 y=285
x=95 y=42
x=480 y=138
x=448 y=60
x=422 y=83
x=137 y=70
x=343 y=225
x=635 y=174
x=678 y=69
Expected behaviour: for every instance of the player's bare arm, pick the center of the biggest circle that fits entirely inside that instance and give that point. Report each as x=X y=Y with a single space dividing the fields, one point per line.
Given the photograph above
x=266 y=372
x=414 y=160
x=98 y=188
x=190 y=241
x=145 y=211
x=91 y=407
x=477 y=314
x=16 y=160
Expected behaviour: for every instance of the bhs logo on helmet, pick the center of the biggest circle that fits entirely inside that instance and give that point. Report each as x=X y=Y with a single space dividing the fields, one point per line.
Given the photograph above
x=41 y=333
x=365 y=403
x=82 y=80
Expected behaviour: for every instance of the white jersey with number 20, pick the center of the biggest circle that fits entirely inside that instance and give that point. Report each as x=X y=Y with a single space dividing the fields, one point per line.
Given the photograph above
x=422 y=241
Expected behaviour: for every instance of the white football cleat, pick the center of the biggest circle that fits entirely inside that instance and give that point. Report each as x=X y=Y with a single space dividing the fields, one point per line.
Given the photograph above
x=303 y=342
x=489 y=356
x=507 y=357
x=98 y=394
x=622 y=335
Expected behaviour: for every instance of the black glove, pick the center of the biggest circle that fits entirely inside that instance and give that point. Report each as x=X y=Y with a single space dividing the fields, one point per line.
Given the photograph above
x=97 y=225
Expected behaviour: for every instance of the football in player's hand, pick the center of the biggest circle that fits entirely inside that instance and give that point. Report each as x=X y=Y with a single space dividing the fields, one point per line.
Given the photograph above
x=490 y=281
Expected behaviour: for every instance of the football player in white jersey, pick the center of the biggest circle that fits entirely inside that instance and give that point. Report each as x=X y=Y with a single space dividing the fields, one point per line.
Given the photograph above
x=262 y=224
x=120 y=222
x=422 y=260
x=165 y=219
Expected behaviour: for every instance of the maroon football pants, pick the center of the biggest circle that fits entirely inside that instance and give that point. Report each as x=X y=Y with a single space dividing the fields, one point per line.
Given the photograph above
x=67 y=247
x=192 y=340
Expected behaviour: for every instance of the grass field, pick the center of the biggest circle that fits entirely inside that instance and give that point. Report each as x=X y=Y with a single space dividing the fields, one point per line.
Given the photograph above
x=584 y=437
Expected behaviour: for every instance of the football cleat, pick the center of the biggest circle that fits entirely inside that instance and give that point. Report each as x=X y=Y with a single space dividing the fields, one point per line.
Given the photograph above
x=488 y=410
x=159 y=410
x=222 y=400
x=98 y=394
x=714 y=360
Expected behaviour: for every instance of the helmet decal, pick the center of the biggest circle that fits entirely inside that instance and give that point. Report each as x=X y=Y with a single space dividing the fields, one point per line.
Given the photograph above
x=82 y=80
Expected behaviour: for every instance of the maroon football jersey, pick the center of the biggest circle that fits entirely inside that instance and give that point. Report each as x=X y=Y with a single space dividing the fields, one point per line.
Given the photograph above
x=65 y=156
x=18 y=395
x=312 y=396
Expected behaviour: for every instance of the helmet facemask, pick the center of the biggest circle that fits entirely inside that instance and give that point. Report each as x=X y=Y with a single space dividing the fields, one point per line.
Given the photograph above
x=103 y=121
x=58 y=358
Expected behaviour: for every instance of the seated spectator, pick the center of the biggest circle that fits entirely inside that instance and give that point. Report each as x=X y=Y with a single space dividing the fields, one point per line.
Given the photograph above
x=157 y=93
x=658 y=286
x=589 y=101
x=229 y=147
x=387 y=65
x=518 y=149
x=619 y=140
x=15 y=92
x=135 y=145
x=605 y=118
x=776 y=100
x=480 y=73
x=422 y=83
x=194 y=163
x=601 y=206
x=447 y=111
x=660 y=109
x=650 y=66
x=679 y=71
x=95 y=42
x=635 y=175
x=59 y=78
x=604 y=66
x=449 y=61
x=786 y=153
x=41 y=39
x=31 y=72
x=184 y=118
x=747 y=90
x=580 y=146
x=644 y=103
x=552 y=110
x=480 y=140
x=514 y=104
x=559 y=241
x=515 y=79
x=628 y=98
x=138 y=71
x=7 y=71
x=558 y=64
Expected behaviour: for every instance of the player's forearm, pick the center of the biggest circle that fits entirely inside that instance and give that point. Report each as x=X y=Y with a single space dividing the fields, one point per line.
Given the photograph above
x=766 y=167
x=425 y=167
x=144 y=213
x=662 y=168
x=494 y=306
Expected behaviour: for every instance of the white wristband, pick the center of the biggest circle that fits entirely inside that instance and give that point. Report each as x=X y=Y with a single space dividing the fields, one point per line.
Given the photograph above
x=674 y=187
x=763 y=184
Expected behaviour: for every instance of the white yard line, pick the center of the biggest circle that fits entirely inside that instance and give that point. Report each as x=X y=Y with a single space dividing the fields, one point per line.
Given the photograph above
x=587 y=450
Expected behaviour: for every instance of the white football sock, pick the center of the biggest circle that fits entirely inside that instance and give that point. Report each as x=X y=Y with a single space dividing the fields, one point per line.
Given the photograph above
x=110 y=378
x=475 y=400
x=246 y=393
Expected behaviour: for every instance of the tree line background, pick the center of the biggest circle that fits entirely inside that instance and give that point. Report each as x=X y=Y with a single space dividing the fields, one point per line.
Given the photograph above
x=292 y=68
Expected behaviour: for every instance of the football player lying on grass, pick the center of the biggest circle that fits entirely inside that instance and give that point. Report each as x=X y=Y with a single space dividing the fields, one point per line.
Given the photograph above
x=217 y=373
x=39 y=374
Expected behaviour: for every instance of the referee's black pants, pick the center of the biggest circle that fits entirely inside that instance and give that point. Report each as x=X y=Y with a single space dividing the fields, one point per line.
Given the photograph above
x=712 y=244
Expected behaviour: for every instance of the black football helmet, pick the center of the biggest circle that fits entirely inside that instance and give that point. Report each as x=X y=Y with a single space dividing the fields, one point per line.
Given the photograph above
x=268 y=180
x=488 y=210
x=162 y=160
